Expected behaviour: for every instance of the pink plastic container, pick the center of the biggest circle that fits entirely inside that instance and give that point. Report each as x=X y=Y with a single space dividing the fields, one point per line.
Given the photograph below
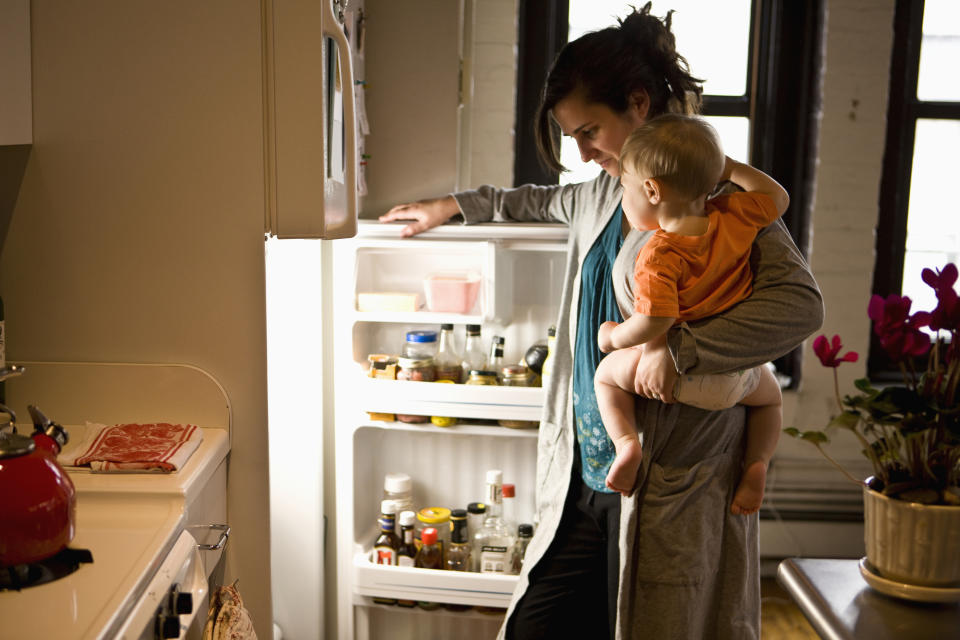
x=451 y=292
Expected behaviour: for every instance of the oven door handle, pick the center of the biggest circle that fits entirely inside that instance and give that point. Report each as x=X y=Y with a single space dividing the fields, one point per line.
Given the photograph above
x=224 y=530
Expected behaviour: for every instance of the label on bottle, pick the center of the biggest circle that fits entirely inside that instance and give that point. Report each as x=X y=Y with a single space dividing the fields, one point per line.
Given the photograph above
x=493 y=559
x=384 y=555
x=404 y=561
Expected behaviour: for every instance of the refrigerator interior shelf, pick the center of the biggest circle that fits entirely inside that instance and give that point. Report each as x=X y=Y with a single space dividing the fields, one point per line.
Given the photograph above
x=461 y=429
x=460 y=400
x=416 y=317
x=456 y=587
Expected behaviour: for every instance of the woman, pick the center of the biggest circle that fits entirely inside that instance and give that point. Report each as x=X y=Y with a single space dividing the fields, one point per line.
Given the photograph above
x=670 y=561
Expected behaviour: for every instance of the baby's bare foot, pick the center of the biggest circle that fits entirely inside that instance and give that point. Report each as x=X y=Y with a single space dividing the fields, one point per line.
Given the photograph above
x=749 y=493
x=623 y=472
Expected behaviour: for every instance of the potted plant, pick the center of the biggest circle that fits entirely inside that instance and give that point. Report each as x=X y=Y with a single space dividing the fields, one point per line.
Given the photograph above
x=910 y=433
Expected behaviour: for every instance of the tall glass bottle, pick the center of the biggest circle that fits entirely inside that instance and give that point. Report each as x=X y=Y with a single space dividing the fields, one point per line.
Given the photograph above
x=494 y=542
x=473 y=354
x=458 y=556
x=509 y=508
x=407 y=550
x=386 y=545
x=495 y=359
x=524 y=533
x=447 y=361
x=548 y=361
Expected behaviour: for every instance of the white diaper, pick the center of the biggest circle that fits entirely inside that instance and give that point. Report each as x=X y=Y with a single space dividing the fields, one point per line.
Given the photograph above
x=716 y=391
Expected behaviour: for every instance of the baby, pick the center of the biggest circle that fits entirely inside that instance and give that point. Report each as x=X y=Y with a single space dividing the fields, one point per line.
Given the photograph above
x=695 y=265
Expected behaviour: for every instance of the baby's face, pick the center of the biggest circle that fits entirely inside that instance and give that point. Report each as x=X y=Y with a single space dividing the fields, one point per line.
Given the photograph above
x=641 y=214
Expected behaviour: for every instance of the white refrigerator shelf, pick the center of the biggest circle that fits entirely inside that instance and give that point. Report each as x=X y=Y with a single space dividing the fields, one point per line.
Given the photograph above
x=459 y=400
x=407 y=583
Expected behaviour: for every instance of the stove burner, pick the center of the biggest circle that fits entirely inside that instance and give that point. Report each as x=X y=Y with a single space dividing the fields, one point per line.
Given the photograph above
x=21 y=576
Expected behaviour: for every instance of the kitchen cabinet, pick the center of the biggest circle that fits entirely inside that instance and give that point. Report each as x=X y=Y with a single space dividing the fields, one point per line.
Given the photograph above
x=16 y=119
x=447 y=464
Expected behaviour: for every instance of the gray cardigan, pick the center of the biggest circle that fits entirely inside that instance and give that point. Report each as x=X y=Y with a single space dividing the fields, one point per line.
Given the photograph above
x=688 y=568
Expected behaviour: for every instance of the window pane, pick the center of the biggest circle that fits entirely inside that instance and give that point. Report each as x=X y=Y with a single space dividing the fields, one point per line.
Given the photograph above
x=734 y=134
x=939 y=77
x=696 y=23
x=933 y=226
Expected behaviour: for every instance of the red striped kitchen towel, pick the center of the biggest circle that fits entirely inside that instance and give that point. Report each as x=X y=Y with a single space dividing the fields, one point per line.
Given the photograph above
x=158 y=447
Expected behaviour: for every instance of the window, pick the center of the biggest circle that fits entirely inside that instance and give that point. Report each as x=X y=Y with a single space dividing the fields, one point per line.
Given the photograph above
x=761 y=87
x=918 y=225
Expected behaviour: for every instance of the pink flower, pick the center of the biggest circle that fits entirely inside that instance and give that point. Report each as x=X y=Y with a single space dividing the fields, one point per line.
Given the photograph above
x=827 y=351
x=947 y=314
x=899 y=332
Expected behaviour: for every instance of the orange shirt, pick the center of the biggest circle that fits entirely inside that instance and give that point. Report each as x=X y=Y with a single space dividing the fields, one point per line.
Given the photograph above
x=692 y=277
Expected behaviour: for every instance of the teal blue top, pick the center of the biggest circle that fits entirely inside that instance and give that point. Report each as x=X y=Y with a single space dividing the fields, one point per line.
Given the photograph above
x=598 y=304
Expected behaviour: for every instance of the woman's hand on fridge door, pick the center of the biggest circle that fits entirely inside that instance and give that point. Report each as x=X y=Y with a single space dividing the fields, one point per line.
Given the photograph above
x=656 y=374
x=425 y=214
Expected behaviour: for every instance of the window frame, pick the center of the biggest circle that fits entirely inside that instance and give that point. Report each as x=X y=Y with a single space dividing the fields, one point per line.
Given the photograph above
x=904 y=109
x=784 y=37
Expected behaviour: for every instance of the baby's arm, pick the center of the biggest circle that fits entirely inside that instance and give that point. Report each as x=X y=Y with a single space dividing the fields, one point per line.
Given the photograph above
x=752 y=179
x=635 y=330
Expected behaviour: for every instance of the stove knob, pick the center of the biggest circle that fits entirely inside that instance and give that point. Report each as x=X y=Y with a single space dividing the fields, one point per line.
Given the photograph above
x=168 y=626
x=181 y=602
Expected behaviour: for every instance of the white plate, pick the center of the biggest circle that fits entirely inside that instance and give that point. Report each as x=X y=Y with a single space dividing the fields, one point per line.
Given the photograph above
x=906 y=591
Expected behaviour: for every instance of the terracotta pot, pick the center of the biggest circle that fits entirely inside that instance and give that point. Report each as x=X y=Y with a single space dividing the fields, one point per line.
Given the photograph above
x=911 y=542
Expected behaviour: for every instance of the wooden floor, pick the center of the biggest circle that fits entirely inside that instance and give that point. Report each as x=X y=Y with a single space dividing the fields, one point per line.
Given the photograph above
x=780 y=618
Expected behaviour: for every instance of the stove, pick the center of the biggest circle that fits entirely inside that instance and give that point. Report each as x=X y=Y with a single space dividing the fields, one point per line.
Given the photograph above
x=60 y=565
x=149 y=577
x=144 y=560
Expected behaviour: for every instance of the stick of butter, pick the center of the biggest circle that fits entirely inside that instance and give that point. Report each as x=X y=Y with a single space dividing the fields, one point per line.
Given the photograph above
x=388 y=301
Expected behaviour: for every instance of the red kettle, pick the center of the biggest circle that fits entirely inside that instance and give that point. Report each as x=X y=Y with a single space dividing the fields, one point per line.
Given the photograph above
x=37 y=499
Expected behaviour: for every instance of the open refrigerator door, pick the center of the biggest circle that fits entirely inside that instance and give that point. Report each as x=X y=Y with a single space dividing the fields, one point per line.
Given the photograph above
x=383 y=426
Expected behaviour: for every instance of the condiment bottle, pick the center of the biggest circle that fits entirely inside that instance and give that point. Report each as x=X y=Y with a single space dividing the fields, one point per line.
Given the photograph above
x=398 y=486
x=458 y=555
x=482 y=376
x=386 y=545
x=407 y=552
x=476 y=513
x=494 y=541
x=516 y=375
x=473 y=355
x=547 y=369
x=447 y=361
x=495 y=360
x=524 y=533
x=508 y=494
x=430 y=556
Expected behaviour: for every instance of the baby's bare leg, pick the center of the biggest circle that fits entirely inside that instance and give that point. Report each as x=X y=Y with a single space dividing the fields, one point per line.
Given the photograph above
x=614 y=383
x=764 y=421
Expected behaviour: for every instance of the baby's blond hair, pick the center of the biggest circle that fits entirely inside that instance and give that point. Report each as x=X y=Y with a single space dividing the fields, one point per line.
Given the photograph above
x=683 y=152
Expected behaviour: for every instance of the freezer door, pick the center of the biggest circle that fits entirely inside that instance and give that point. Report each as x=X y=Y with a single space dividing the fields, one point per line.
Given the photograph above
x=310 y=136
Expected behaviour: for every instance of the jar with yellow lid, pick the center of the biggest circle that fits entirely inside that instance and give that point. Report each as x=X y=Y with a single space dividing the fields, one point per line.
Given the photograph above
x=482 y=377
x=439 y=519
x=443 y=421
x=517 y=375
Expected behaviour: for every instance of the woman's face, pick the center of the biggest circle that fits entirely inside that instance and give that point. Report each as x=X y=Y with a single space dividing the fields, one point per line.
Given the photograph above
x=599 y=130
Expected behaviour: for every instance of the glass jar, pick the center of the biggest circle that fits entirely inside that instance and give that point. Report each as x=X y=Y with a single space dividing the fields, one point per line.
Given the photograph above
x=439 y=519
x=481 y=376
x=416 y=370
x=517 y=375
x=420 y=344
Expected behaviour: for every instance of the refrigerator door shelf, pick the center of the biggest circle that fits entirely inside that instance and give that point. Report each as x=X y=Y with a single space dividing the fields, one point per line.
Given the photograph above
x=456 y=587
x=417 y=317
x=462 y=401
x=462 y=428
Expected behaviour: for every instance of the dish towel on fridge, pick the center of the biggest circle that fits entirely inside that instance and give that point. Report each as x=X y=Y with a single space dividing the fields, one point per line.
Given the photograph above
x=157 y=448
x=227 y=618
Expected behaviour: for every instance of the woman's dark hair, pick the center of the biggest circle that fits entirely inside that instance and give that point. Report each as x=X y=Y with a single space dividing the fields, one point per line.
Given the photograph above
x=609 y=65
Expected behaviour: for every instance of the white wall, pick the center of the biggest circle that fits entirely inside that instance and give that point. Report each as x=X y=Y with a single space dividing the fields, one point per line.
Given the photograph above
x=138 y=233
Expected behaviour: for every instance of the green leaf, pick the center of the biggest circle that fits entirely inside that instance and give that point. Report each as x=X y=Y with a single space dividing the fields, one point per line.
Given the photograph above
x=792 y=431
x=846 y=420
x=815 y=437
x=864 y=385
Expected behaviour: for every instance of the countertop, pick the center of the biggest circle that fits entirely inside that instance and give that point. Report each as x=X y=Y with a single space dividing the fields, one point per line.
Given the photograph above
x=842 y=606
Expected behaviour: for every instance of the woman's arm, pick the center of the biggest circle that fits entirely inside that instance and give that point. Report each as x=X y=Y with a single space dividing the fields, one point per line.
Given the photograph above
x=784 y=308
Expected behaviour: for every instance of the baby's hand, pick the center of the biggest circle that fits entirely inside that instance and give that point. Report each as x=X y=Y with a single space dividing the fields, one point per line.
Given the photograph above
x=604 y=341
